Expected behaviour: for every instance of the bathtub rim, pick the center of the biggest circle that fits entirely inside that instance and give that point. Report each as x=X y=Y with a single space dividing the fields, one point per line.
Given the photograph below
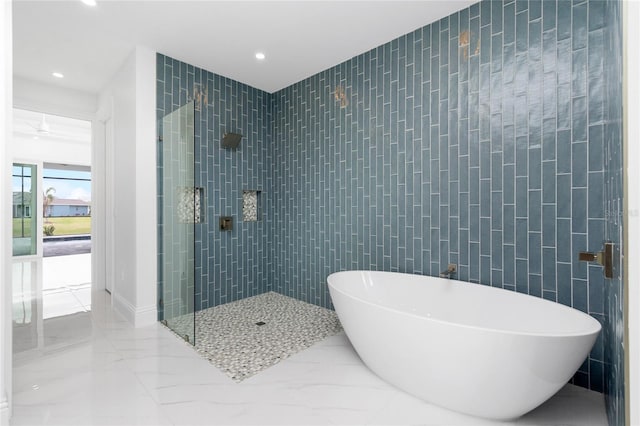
x=574 y=311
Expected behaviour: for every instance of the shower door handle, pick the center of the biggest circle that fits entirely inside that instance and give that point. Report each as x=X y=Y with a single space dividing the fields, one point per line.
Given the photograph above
x=604 y=258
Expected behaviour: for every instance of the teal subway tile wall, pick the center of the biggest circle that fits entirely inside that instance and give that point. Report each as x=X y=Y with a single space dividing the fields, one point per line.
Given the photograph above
x=482 y=139
x=476 y=140
x=234 y=264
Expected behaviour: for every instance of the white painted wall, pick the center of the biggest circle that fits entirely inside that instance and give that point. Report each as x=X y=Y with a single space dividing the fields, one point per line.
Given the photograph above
x=146 y=188
x=129 y=102
x=119 y=99
x=631 y=149
x=6 y=109
x=40 y=97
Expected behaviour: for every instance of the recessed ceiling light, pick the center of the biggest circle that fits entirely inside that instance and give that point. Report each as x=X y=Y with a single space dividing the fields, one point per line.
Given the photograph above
x=260 y=56
x=57 y=74
x=89 y=2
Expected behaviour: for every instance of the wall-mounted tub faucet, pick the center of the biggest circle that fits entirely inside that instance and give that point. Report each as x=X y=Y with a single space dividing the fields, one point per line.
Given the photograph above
x=451 y=270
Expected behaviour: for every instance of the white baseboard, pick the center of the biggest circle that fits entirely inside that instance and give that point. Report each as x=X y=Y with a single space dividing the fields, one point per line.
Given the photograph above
x=138 y=316
x=124 y=308
x=5 y=412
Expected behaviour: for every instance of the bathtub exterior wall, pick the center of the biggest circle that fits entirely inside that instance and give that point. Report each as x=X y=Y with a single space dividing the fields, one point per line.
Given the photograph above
x=229 y=265
x=613 y=332
x=476 y=140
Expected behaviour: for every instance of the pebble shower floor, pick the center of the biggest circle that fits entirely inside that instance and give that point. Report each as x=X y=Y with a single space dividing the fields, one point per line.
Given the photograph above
x=244 y=337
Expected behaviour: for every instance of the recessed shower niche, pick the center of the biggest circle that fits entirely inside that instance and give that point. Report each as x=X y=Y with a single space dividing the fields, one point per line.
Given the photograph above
x=250 y=205
x=190 y=204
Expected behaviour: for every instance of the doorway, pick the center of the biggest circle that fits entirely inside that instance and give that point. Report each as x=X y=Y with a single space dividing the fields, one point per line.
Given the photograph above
x=66 y=243
x=52 y=231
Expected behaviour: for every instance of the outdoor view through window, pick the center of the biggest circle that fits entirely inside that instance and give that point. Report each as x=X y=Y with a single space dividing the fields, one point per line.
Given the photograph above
x=66 y=202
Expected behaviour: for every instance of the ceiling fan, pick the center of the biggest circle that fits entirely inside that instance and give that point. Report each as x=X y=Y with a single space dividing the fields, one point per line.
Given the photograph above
x=39 y=125
x=43 y=127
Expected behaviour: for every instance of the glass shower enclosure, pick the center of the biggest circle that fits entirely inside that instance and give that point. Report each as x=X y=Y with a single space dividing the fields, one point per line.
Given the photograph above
x=179 y=212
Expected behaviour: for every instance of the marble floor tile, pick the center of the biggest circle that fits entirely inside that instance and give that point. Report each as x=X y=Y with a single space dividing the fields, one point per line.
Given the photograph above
x=59 y=303
x=115 y=374
x=61 y=271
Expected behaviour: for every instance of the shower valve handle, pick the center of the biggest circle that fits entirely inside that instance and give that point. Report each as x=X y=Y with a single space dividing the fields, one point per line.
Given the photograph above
x=587 y=256
x=604 y=258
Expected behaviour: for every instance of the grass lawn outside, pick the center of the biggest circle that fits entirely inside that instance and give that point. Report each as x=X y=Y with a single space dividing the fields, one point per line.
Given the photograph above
x=74 y=225
x=18 y=227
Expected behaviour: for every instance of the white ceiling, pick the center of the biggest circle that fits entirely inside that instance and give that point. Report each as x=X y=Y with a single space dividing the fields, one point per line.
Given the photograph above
x=300 y=38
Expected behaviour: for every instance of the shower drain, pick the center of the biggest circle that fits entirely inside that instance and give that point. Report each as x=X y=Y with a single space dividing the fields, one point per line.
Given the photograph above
x=260 y=323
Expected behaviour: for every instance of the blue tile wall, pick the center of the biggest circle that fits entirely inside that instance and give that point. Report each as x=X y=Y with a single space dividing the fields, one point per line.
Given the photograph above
x=606 y=139
x=476 y=140
x=234 y=264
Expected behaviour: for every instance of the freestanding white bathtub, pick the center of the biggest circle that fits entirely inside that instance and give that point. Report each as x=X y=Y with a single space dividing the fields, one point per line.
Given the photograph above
x=471 y=348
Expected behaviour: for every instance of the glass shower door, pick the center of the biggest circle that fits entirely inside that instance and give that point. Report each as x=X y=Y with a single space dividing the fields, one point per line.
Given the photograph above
x=179 y=211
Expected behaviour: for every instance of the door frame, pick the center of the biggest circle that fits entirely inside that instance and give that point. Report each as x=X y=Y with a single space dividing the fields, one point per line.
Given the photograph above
x=103 y=268
x=631 y=209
